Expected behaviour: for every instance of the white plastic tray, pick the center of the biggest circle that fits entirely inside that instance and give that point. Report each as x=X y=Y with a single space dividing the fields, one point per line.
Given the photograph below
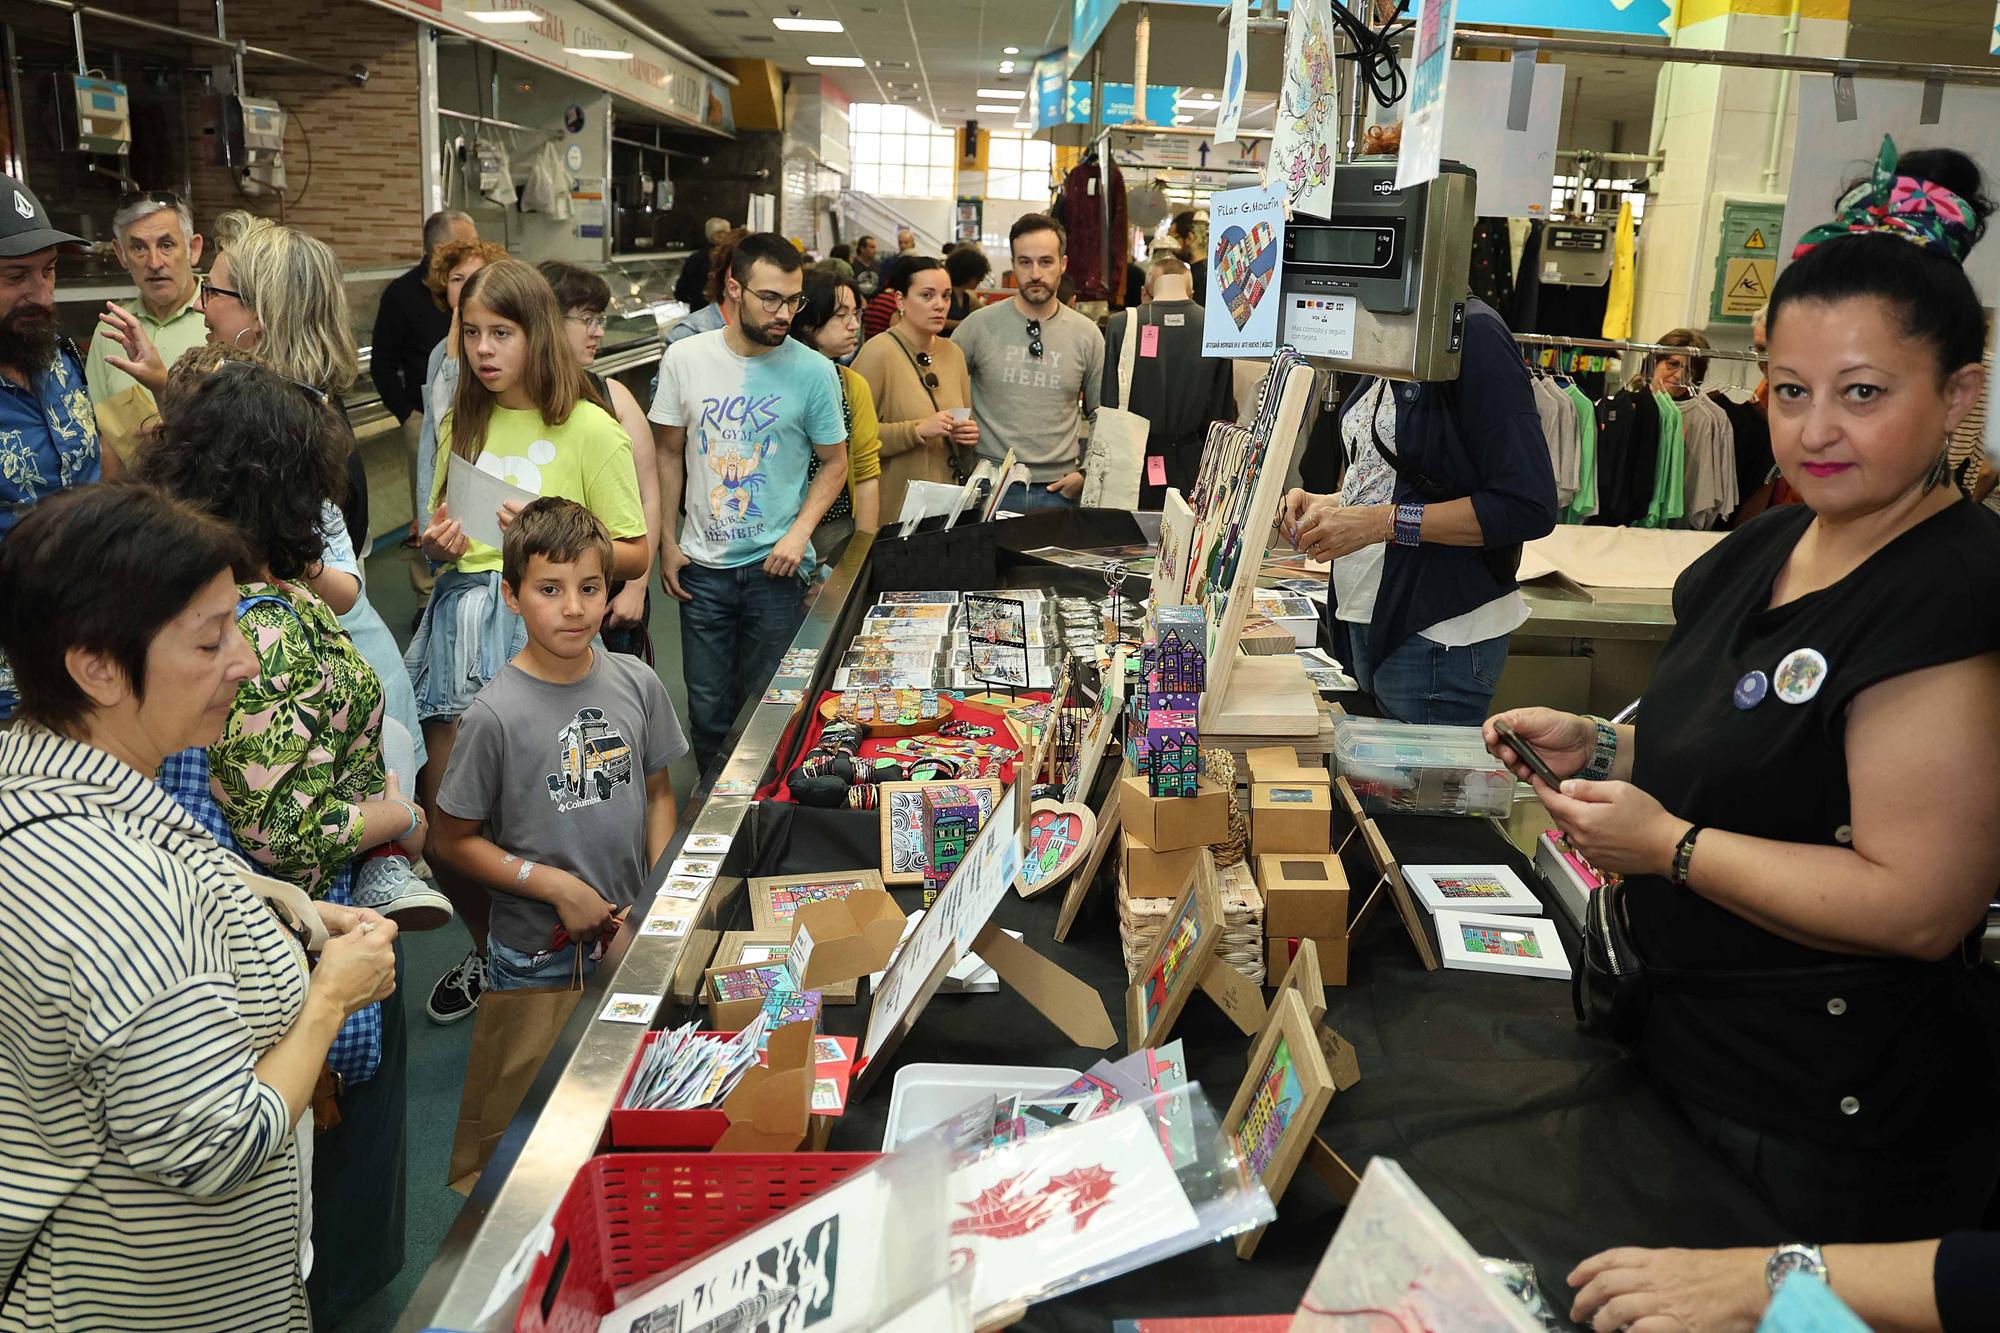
x=928 y=1095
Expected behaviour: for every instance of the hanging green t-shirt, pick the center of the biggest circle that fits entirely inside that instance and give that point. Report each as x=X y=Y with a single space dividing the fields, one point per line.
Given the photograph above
x=1669 y=502
x=1585 y=504
x=587 y=459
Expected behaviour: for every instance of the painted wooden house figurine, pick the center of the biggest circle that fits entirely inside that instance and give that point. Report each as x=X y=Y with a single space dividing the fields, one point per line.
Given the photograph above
x=1176 y=655
x=951 y=821
x=1173 y=752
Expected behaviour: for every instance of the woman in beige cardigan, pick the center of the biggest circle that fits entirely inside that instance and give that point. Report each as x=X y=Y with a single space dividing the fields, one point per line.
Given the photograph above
x=917 y=377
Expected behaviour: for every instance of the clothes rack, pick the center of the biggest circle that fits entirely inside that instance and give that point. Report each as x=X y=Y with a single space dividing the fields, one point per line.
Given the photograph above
x=1622 y=345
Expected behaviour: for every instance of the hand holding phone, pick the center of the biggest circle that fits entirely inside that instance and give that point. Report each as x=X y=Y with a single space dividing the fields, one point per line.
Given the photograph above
x=1528 y=754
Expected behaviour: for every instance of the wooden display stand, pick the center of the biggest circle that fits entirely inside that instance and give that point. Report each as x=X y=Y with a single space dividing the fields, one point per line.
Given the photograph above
x=1265 y=696
x=1391 y=881
x=1182 y=960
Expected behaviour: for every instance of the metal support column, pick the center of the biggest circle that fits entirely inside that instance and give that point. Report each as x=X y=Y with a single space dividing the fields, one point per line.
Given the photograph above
x=17 y=165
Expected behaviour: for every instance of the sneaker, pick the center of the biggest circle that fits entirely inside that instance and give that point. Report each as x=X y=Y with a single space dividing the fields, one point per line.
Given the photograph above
x=389 y=886
x=457 y=992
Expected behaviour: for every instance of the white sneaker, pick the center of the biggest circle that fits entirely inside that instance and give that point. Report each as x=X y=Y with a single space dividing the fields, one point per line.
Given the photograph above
x=388 y=885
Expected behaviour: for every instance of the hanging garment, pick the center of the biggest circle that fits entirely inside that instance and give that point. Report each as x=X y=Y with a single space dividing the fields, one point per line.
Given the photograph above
x=492 y=172
x=1751 y=441
x=1585 y=504
x=547 y=188
x=1492 y=266
x=1628 y=437
x=1624 y=265
x=1558 y=415
x=1670 y=475
x=1081 y=213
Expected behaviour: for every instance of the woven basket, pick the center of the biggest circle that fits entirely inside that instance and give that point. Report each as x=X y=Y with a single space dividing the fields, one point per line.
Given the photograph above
x=1140 y=921
x=1219 y=766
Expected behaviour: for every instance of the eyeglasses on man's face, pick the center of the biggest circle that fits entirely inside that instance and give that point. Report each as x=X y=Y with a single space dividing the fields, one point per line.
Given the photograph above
x=777 y=302
x=594 y=323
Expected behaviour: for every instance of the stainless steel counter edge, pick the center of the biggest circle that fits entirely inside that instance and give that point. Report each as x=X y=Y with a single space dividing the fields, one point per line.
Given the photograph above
x=563 y=1116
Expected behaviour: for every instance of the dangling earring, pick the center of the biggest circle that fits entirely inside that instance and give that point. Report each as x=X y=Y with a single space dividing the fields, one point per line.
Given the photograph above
x=1941 y=469
x=238 y=339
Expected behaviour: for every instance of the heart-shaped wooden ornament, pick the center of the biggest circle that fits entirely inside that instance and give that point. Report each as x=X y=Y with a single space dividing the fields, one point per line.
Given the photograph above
x=1059 y=837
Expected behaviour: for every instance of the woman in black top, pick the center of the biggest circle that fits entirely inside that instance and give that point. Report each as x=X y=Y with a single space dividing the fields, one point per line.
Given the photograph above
x=1808 y=828
x=967 y=267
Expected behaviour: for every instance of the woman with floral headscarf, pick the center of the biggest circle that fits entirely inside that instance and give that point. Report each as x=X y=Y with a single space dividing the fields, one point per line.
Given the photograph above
x=1805 y=813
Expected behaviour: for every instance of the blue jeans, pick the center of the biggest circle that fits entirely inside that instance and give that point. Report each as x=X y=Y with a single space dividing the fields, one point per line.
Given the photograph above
x=510 y=969
x=733 y=633
x=1423 y=681
x=1036 y=495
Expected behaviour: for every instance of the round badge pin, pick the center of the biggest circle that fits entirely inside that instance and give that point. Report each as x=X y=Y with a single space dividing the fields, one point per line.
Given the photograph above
x=1800 y=675
x=1750 y=690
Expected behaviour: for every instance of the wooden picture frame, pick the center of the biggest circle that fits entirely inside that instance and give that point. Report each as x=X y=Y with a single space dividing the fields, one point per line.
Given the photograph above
x=1303 y=979
x=1278 y=1107
x=729 y=951
x=1109 y=829
x=775 y=899
x=1415 y=919
x=1173 y=967
x=904 y=856
x=1349 y=804
x=1048 y=823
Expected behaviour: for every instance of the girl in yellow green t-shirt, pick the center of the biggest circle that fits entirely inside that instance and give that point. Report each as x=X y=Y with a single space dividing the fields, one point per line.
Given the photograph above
x=525 y=414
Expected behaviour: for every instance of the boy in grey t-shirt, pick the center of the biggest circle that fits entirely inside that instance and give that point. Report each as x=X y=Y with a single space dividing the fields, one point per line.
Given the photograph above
x=557 y=797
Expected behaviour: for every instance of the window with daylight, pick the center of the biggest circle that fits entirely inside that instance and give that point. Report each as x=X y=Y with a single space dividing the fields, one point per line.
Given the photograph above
x=1018 y=167
x=898 y=151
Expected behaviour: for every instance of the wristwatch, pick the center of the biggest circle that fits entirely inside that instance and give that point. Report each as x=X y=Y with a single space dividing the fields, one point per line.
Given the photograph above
x=1796 y=1257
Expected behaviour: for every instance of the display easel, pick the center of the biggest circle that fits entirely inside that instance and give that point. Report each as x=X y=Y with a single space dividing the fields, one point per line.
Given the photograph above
x=1390 y=880
x=1271 y=1132
x=960 y=922
x=1183 y=959
x=1303 y=979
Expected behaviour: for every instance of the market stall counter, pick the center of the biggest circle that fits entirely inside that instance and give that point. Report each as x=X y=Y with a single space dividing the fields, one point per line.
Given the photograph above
x=1538 y=1143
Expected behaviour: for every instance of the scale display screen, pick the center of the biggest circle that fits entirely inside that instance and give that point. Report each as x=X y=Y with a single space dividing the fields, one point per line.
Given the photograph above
x=1343 y=247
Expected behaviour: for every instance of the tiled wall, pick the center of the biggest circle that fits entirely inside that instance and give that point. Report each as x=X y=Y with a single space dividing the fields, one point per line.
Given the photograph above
x=352 y=154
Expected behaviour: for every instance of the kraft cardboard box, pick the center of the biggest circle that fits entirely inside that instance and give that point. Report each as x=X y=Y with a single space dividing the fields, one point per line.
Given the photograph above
x=1288 y=817
x=1151 y=874
x=1303 y=895
x=841 y=941
x=1281 y=763
x=1174 y=823
x=1278 y=951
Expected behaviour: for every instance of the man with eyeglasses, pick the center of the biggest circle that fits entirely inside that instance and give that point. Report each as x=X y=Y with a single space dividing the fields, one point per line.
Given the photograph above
x=157 y=243
x=738 y=415
x=1037 y=368
x=48 y=433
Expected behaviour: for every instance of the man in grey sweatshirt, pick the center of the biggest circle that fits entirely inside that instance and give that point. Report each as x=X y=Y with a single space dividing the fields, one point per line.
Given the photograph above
x=1037 y=368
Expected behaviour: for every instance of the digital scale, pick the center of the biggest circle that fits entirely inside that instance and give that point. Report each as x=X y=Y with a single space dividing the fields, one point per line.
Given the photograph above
x=1576 y=254
x=103 y=116
x=1379 y=288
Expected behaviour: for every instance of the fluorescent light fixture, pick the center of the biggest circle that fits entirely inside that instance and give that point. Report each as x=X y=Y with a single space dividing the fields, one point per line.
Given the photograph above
x=1006 y=67
x=837 y=62
x=1010 y=50
x=598 y=53
x=1024 y=124
x=1183 y=120
x=1199 y=99
x=504 y=15
x=1004 y=94
x=998 y=108
x=807 y=25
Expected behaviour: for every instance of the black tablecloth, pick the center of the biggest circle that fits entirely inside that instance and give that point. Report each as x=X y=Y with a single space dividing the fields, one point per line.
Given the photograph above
x=1538 y=1143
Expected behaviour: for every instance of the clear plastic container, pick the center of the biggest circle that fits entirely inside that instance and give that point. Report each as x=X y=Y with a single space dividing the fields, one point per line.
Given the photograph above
x=1411 y=769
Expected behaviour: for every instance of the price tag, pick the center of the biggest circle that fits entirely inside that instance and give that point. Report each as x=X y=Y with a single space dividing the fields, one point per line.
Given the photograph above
x=1156 y=470
x=1149 y=340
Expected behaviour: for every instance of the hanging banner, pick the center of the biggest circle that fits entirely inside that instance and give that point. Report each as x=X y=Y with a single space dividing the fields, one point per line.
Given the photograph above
x=1513 y=166
x=1993 y=47
x=1302 y=146
x=1235 y=72
x=1246 y=231
x=1643 y=18
x=1423 y=121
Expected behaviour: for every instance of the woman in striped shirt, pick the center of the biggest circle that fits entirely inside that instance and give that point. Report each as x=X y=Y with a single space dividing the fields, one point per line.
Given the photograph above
x=159 y=1037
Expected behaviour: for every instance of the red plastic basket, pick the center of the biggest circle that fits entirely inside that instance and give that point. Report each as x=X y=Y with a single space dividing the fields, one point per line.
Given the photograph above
x=631 y=1216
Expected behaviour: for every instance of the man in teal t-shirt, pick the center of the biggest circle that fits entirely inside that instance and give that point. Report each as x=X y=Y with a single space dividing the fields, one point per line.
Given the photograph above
x=738 y=415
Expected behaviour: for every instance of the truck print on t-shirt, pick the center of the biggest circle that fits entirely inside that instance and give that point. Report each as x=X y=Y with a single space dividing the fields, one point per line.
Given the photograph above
x=594 y=762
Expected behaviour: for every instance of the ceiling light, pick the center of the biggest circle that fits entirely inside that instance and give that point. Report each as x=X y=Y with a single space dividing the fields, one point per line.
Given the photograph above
x=1010 y=50
x=1024 y=124
x=598 y=53
x=837 y=62
x=1008 y=94
x=998 y=109
x=1199 y=99
x=807 y=25
x=1006 y=67
x=504 y=15
x=1183 y=120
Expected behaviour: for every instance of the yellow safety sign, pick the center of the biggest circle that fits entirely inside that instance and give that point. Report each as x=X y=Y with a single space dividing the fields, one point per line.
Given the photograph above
x=1756 y=241
x=1747 y=285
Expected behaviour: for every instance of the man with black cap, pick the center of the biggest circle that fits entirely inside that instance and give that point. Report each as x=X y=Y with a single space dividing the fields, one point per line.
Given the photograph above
x=48 y=434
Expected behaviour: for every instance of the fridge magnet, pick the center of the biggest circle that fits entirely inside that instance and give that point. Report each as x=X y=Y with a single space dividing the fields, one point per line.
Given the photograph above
x=1279 y=1105
x=905 y=856
x=628 y=1008
x=1059 y=837
x=1173 y=966
x=696 y=867
x=1524 y=945
x=707 y=844
x=776 y=899
x=1489 y=888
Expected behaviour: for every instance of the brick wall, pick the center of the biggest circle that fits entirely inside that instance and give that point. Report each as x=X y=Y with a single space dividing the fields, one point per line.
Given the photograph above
x=352 y=154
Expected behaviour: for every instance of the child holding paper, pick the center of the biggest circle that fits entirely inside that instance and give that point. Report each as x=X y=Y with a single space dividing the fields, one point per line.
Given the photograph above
x=523 y=413
x=557 y=800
